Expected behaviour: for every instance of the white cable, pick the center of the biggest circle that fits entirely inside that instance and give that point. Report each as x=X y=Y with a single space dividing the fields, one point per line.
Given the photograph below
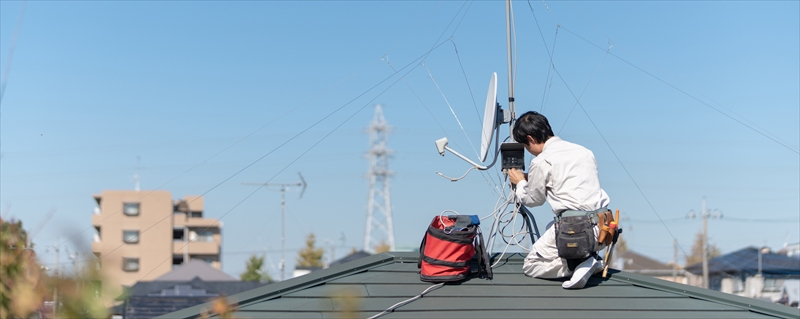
x=457 y=178
x=404 y=302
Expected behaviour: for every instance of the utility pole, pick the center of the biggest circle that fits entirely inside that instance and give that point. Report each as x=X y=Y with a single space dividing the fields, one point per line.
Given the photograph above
x=55 y=274
x=283 y=188
x=705 y=214
x=674 y=260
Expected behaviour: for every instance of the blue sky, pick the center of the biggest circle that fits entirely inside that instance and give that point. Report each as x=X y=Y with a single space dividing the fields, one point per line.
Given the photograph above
x=684 y=100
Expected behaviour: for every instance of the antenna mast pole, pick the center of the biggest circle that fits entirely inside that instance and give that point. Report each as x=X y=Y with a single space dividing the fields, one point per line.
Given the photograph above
x=511 y=107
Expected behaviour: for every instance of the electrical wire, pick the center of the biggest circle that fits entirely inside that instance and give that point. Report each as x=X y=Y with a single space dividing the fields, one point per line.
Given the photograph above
x=679 y=81
x=577 y=101
x=761 y=132
x=407 y=301
x=11 y=48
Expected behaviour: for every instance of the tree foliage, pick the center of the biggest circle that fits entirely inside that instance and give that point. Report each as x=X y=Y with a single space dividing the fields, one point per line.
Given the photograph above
x=382 y=247
x=310 y=256
x=697 y=250
x=254 y=271
x=24 y=287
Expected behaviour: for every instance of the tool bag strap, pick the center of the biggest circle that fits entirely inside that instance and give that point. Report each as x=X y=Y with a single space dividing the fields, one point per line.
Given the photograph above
x=421 y=251
x=454 y=236
x=483 y=256
x=591 y=214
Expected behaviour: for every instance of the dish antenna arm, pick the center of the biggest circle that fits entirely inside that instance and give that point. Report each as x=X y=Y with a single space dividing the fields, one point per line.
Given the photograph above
x=441 y=146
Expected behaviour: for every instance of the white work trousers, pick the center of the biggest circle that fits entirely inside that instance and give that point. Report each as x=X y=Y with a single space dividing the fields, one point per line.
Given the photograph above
x=543 y=260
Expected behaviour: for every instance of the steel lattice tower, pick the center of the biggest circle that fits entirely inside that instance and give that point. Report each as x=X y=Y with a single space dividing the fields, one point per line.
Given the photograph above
x=379 y=204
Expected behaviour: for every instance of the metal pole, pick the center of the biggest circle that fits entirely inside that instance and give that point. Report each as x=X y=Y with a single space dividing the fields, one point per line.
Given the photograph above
x=705 y=214
x=186 y=242
x=675 y=260
x=759 y=260
x=284 y=188
x=55 y=289
x=283 y=230
x=511 y=108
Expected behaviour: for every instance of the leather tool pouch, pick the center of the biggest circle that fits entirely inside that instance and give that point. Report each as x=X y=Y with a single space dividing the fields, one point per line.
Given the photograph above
x=575 y=237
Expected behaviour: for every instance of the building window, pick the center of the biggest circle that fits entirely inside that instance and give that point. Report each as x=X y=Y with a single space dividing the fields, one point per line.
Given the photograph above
x=131 y=209
x=130 y=236
x=177 y=234
x=96 y=238
x=130 y=264
x=177 y=261
x=772 y=285
x=204 y=236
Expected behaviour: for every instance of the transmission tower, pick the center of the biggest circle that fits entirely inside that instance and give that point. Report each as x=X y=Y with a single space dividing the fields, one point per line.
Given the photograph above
x=379 y=203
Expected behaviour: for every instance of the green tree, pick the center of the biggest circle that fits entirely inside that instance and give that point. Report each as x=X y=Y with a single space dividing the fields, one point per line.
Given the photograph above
x=310 y=256
x=254 y=271
x=697 y=250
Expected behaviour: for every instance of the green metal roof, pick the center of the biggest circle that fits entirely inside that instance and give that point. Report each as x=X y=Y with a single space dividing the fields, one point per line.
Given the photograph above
x=383 y=280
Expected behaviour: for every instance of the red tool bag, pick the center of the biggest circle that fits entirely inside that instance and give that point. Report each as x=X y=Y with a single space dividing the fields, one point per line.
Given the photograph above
x=448 y=248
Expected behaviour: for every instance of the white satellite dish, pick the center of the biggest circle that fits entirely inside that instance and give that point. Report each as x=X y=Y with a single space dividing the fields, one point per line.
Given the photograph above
x=489 y=117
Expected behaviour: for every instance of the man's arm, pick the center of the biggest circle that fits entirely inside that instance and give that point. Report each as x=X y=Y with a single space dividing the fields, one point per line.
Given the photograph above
x=532 y=190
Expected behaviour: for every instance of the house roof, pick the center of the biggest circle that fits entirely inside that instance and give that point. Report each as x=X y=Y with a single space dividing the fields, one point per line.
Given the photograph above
x=382 y=280
x=195 y=268
x=148 y=299
x=746 y=260
x=196 y=287
x=631 y=260
x=351 y=257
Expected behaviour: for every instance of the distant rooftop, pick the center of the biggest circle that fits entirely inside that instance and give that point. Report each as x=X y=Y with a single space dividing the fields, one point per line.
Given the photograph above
x=195 y=268
x=746 y=260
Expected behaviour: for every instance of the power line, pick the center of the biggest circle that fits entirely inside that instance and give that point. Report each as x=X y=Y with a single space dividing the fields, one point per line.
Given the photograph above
x=761 y=132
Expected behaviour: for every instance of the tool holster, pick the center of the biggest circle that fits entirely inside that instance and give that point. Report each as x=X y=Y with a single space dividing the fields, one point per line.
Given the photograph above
x=606 y=233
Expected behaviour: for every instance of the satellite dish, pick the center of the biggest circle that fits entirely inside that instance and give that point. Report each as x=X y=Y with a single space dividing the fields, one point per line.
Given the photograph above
x=489 y=117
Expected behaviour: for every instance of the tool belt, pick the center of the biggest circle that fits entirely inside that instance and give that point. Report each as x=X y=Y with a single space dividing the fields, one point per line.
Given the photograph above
x=574 y=232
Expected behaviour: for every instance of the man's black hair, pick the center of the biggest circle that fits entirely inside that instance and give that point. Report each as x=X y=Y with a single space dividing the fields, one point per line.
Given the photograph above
x=534 y=124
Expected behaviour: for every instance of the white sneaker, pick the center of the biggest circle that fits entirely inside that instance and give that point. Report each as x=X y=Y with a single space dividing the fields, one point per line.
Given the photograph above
x=582 y=273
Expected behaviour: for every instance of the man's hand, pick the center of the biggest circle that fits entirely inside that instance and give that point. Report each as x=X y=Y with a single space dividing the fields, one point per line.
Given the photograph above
x=514 y=176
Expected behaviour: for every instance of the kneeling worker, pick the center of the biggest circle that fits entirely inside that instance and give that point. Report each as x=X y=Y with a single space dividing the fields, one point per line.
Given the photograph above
x=565 y=174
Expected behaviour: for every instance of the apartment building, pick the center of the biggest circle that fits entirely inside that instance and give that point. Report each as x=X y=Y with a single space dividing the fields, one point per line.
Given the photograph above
x=141 y=235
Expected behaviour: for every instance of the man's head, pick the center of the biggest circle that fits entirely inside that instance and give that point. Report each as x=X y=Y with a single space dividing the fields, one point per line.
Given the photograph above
x=532 y=129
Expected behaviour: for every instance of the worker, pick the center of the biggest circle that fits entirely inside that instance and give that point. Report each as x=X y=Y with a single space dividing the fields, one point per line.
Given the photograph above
x=564 y=174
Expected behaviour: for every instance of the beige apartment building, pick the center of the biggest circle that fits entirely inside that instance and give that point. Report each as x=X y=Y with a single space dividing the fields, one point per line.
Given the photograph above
x=141 y=235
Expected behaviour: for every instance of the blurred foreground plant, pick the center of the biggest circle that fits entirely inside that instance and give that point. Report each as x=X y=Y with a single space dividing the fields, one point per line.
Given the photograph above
x=25 y=286
x=22 y=290
x=219 y=309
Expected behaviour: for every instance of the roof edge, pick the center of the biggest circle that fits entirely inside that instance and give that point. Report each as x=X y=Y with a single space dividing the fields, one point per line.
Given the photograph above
x=750 y=304
x=289 y=285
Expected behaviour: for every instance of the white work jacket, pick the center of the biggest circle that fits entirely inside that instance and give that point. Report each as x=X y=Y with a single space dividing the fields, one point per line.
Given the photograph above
x=564 y=174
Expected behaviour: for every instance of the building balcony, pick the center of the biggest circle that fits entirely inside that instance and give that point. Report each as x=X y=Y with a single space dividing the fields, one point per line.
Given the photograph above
x=96 y=219
x=96 y=246
x=196 y=248
x=180 y=220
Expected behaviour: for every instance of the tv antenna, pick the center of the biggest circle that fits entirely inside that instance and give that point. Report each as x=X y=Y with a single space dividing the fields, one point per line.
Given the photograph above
x=513 y=154
x=283 y=187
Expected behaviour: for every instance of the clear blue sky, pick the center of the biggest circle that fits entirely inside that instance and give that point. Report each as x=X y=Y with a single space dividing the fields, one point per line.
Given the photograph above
x=693 y=99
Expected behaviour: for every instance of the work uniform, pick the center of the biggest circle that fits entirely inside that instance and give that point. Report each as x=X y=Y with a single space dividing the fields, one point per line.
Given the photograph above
x=564 y=174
